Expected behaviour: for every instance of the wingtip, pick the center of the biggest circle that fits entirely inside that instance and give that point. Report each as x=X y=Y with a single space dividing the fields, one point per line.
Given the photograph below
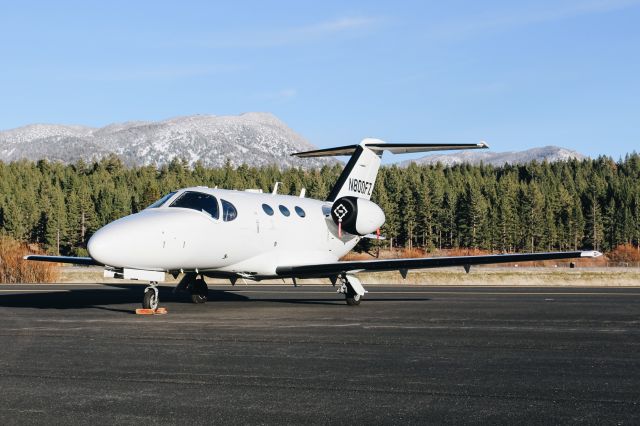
x=592 y=253
x=368 y=141
x=483 y=145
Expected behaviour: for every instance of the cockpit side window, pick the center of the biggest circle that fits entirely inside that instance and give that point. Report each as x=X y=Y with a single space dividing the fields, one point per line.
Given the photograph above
x=229 y=211
x=161 y=201
x=199 y=201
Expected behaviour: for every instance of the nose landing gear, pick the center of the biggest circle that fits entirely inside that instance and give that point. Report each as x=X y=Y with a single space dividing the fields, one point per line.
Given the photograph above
x=151 y=298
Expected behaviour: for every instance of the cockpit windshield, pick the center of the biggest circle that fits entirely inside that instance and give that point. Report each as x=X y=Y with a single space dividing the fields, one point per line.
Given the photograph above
x=199 y=201
x=161 y=201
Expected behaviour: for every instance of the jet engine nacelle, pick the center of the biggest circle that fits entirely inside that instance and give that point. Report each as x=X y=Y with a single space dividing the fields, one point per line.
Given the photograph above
x=357 y=216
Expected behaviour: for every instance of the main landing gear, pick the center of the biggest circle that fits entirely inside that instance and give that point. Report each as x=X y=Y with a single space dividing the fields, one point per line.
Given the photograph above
x=352 y=289
x=195 y=285
x=199 y=291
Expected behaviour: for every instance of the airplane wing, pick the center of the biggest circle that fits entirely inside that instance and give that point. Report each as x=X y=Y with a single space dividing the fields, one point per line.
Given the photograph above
x=64 y=259
x=336 y=268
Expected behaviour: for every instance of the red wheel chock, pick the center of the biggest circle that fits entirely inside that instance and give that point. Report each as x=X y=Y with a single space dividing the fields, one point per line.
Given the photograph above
x=157 y=311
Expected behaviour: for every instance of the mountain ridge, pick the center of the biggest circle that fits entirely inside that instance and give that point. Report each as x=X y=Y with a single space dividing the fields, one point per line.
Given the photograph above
x=254 y=138
x=549 y=153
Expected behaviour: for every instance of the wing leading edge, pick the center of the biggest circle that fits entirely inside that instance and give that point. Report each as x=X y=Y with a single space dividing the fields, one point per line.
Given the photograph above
x=336 y=268
x=64 y=259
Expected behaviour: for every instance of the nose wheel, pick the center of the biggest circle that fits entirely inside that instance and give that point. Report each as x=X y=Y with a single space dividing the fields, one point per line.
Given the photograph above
x=151 y=297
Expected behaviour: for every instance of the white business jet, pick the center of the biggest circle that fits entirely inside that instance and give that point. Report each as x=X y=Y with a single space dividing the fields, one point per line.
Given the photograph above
x=204 y=232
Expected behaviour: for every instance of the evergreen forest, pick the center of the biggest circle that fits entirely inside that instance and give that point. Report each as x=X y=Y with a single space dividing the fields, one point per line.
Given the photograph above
x=587 y=204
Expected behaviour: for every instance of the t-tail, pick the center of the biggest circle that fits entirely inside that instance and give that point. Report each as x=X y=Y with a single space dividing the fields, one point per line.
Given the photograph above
x=359 y=175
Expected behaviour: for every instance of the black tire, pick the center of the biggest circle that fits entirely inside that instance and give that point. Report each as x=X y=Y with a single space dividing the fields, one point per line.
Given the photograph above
x=198 y=298
x=150 y=300
x=352 y=298
x=199 y=291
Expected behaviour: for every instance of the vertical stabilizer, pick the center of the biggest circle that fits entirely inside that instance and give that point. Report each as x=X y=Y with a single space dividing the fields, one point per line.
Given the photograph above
x=359 y=176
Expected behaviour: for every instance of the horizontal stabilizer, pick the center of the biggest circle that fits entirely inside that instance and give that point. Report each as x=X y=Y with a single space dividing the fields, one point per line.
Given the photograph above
x=374 y=237
x=379 y=146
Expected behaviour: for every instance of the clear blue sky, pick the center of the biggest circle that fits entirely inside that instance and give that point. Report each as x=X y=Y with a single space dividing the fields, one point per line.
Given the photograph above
x=516 y=74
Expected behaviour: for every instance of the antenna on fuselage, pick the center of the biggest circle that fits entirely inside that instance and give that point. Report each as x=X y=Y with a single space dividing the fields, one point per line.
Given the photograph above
x=303 y=192
x=275 y=188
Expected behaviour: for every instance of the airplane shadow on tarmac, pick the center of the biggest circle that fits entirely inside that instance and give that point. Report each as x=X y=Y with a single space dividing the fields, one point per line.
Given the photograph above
x=99 y=298
x=131 y=294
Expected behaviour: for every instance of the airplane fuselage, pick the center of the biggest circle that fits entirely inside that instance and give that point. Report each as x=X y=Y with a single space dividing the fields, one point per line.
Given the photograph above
x=252 y=234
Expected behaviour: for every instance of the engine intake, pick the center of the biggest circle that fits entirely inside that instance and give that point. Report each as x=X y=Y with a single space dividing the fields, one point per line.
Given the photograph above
x=357 y=216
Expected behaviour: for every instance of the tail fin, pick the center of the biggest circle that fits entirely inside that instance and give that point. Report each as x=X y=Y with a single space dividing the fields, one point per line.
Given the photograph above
x=359 y=175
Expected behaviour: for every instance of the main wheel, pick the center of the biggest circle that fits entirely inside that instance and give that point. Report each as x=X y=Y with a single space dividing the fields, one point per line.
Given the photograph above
x=150 y=300
x=199 y=291
x=352 y=298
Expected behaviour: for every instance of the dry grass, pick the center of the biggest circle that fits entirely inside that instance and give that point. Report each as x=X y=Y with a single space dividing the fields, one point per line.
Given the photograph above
x=386 y=254
x=483 y=276
x=625 y=253
x=13 y=269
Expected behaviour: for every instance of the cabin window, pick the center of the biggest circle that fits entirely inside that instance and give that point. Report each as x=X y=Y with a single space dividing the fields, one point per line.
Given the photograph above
x=284 y=210
x=267 y=209
x=229 y=211
x=161 y=201
x=199 y=201
x=300 y=212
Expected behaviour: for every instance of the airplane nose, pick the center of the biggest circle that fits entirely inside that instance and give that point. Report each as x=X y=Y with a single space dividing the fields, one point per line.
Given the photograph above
x=116 y=244
x=101 y=246
x=147 y=240
x=130 y=242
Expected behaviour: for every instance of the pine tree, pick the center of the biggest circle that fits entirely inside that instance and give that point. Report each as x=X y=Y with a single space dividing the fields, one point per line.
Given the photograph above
x=531 y=214
x=507 y=212
x=473 y=215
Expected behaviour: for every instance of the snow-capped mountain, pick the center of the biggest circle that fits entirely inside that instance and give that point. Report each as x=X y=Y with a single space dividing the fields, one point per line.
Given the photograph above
x=255 y=139
x=546 y=153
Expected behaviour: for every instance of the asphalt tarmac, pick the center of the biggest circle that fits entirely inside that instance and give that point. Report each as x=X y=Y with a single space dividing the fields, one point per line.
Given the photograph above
x=77 y=354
